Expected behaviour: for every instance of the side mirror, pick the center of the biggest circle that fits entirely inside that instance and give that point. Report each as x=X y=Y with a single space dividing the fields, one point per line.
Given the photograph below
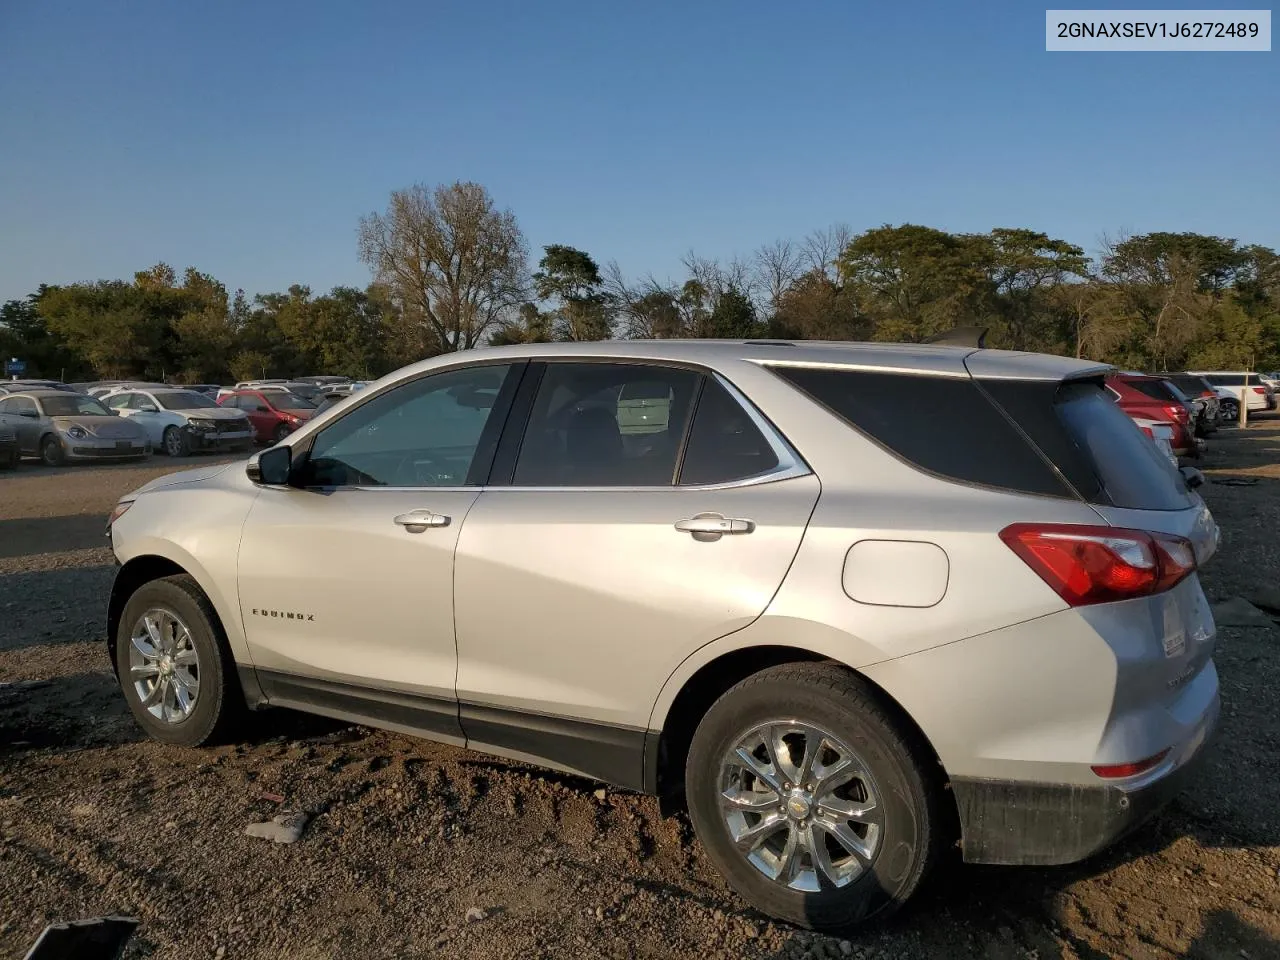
x=271 y=466
x=1192 y=477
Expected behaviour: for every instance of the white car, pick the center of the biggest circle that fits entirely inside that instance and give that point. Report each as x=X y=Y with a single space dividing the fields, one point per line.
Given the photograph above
x=182 y=421
x=1246 y=387
x=1161 y=434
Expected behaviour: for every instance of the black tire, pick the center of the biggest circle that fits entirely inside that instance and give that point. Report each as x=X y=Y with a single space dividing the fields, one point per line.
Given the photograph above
x=844 y=706
x=281 y=433
x=51 y=452
x=175 y=442
x=219 y=705
x=10 y=460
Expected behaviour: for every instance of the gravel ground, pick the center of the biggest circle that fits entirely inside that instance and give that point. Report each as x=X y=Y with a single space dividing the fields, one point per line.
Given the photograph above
x=406 y=837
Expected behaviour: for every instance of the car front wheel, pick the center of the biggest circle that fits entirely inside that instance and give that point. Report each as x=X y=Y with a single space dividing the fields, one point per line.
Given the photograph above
x=51 y=452
x=177 y=674
x=175 y=443
x=812 y=798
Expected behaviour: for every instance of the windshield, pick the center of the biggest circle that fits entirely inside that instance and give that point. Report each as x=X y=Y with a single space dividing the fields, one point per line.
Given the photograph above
x=183 y=400
x=73 y=405
x=290 y=401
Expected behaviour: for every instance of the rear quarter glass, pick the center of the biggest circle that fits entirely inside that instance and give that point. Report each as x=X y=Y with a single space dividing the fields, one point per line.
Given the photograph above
x=945 y=426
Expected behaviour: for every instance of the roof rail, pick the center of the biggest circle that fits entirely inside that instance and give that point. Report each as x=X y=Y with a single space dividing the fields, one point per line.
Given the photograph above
x=962 y=337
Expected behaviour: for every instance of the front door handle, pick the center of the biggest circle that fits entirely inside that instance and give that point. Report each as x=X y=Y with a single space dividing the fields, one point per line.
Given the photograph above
x=713 y=526
x=415 y=521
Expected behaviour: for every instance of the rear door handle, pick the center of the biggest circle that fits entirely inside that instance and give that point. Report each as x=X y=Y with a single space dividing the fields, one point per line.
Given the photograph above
x=712 y=526
x=415 y=521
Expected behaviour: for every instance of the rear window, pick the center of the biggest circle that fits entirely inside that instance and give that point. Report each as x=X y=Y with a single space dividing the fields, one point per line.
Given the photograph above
x=1191 y=386
x=1156 y=389
x=1226 y=379
x=944 y=425
x=1132 y=470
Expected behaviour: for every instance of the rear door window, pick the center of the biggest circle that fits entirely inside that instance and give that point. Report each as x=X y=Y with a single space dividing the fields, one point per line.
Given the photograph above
x=596 y=424
x=1226 y=379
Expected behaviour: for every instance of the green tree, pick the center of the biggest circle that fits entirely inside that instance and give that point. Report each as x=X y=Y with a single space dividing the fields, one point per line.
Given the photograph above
x=571 y=280
x=915 y=282
x=734 y=317
x=25 y=334
x=1024 y=267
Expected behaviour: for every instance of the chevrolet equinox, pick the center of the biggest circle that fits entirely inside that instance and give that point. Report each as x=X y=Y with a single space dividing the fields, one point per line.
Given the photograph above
x=841 y=600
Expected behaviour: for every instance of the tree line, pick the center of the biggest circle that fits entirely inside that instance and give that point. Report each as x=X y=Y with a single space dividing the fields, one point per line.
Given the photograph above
x=451 y=271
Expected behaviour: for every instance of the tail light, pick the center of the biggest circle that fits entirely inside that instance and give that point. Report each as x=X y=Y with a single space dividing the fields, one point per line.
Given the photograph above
x=1147 y=430
x=1261 y=390
x=1114 y=771
x=1177 y=411
x=1097 y=564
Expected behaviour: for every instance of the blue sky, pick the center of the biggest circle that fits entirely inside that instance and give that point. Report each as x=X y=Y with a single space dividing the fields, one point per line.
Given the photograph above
x=248 y=138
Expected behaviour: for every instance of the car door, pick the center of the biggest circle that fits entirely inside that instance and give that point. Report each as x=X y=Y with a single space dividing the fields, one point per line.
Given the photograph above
x=346 y=578
x=145 y=412
x=611 y=543
x=24 y=417
x=260 y=415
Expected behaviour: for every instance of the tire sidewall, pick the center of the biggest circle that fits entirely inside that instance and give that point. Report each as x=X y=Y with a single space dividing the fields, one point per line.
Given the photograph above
x=197 y=727
x=280 y=435
x=55 y=458
x=903 y=851
x=181 y=444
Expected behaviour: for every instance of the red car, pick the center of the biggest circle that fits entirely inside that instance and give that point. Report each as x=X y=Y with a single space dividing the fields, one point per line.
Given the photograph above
x=274 y=415
x=1153 y=398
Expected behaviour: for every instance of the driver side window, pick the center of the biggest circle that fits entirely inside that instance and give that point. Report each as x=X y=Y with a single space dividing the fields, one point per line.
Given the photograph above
x=426 y=433
x=118 y=401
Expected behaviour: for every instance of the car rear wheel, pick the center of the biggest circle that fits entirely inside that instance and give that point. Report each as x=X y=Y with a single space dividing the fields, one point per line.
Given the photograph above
x=51 y=451
x=10 y=459
x=175 y=443
x=175 y=669
x=811 y=798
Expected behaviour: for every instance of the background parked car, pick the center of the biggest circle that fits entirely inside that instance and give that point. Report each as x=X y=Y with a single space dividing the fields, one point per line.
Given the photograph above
x=113 y=386
x=182 y=421
x=1161 y=434
x=1152 y=398
x=21 y=386
x=274 y=414
x=58 y=426
x=1244 y=386
x=1198 y=388
x=9 y=453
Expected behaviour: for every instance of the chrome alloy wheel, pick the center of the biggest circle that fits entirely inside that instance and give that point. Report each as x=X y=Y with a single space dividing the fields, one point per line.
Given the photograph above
x=164 y=666
x=800 y=806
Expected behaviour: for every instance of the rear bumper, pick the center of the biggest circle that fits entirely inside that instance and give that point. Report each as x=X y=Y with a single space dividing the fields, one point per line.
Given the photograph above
x=1012 y=822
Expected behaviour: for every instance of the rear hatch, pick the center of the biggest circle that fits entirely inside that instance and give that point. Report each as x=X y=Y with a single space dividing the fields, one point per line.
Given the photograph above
x=1123 y=476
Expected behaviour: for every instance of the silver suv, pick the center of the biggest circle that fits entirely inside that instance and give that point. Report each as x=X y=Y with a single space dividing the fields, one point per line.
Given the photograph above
x=836 y=598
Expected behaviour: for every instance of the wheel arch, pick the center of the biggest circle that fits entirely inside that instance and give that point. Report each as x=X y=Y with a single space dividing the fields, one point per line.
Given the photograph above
x=671 y=734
